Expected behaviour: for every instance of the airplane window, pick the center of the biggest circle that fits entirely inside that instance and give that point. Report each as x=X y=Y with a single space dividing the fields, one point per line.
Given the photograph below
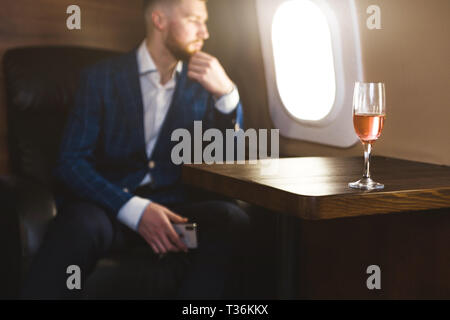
x=312 y=57
x=303 y=57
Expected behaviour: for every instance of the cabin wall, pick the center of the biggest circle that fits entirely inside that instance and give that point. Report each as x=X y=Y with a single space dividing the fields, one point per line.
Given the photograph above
x=410 y=54
x=112 y=24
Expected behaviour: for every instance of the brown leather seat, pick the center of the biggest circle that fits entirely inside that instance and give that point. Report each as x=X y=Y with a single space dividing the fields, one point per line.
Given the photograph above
x=40 y=85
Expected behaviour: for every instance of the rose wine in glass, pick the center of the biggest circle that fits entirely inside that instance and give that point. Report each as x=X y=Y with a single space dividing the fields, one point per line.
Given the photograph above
x=369 y=113
x=368 y=126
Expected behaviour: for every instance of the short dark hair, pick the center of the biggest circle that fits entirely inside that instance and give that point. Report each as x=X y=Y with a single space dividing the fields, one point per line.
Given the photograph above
x=148 y=3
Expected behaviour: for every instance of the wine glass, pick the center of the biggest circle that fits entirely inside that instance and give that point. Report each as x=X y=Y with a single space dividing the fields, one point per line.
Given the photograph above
x=369 y=112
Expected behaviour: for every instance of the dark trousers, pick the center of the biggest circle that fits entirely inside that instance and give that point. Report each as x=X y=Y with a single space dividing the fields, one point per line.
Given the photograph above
x=82 y=233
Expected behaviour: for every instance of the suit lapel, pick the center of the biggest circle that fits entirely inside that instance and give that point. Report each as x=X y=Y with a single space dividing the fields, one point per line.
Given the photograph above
x=129 y=88
x=128 y=84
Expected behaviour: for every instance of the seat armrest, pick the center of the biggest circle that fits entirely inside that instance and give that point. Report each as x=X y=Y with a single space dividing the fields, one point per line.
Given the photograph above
x=27 y=207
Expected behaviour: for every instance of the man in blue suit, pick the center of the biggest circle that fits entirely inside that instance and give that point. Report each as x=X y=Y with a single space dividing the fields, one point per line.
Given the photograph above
x=115 y=159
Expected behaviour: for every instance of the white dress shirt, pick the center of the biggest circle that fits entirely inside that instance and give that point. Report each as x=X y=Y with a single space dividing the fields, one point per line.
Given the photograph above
x=156 y=99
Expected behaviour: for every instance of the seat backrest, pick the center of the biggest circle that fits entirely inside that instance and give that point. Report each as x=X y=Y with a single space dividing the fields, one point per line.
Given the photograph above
x=40 y=86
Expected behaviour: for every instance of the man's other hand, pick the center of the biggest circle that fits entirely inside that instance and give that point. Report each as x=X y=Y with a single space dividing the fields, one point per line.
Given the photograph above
x=208 y=71
x=157 y=230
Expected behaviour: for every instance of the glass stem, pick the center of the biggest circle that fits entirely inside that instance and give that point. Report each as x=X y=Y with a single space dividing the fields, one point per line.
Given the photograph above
x=367 y=153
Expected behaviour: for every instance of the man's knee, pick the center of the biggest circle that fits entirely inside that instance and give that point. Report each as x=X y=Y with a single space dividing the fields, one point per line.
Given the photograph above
x=235 y=216
x=224 y=220
x=225 y=215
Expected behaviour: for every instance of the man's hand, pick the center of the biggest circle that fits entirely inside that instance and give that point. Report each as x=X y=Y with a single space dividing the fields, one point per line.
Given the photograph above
x=156 y=228
x=208 y=71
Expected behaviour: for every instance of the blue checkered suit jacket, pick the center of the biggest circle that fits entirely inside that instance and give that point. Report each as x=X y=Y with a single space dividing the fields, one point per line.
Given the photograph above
x=102 y=157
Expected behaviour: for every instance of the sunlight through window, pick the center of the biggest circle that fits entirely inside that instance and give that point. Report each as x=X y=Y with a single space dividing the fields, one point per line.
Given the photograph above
x=303 y=57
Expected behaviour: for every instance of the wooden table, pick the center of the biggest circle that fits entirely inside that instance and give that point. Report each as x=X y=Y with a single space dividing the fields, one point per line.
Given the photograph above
x=326 y=257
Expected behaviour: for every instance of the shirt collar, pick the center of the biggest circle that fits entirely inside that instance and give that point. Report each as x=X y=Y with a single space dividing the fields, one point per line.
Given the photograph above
x=146 y=63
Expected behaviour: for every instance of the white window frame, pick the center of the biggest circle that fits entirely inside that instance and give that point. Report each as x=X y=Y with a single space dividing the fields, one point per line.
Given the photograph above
x=335 y=129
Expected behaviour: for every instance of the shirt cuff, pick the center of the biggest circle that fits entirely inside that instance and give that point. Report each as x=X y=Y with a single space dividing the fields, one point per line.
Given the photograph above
x=228 y=102
x=131 y=212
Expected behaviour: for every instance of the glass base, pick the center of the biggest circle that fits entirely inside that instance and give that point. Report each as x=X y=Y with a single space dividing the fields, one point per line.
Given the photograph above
x=366 y=184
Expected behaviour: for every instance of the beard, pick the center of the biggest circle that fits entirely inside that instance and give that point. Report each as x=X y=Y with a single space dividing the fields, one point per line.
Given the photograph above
x=181 y=51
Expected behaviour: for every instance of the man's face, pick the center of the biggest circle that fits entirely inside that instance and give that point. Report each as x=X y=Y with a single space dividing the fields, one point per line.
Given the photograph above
x=187 y=29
